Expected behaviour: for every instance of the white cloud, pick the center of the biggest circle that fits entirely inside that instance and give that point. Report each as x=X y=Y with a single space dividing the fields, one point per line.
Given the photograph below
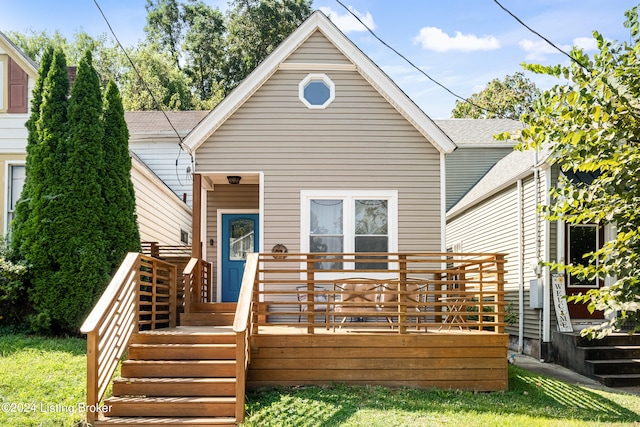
x=435 y=39
x=538 y=50
x=347 y=23
x=586 y=43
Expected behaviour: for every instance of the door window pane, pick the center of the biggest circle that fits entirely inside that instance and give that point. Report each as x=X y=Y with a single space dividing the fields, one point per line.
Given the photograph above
x=371 y=229
x=583 y=239
x=241 y=239
x=326 y=233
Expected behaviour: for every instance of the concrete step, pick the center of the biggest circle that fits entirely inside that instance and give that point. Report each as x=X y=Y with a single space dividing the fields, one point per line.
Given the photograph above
x=171 y=406
x=610 y=352
x=179 y=368
x=619 y=380
x=614 y=366
x=610 y=340
x=212 y=387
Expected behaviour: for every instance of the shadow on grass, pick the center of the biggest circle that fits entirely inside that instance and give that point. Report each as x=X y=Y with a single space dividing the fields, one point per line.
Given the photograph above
x=16 y=343
x=529 y=395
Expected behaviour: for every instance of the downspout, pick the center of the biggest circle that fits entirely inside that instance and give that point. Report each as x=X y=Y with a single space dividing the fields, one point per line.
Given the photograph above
x=443 y=204
x=546 y=258
x=520 y=269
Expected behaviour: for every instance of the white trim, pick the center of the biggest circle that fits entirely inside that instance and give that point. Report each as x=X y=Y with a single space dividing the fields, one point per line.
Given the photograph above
x=443 y=203
x=8 y=164
x=546 y=274
x=349 y=195
x=219 y=213
x=4 y=90
x=521 y=249
x=319 y=77
x=370 y=71
x=302 y=66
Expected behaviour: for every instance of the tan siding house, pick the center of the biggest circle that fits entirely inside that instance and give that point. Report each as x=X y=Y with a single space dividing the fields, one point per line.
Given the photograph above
x=323 y=142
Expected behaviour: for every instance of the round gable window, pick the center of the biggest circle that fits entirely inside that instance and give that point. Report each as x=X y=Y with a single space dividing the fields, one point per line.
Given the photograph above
x=316 y=91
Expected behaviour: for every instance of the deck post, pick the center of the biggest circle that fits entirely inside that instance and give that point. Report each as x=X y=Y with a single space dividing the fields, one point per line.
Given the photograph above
x=173 y=297
x=241 y=374
x=92 y=375
x=402 y=294
x=500 y=295
x=310 y=293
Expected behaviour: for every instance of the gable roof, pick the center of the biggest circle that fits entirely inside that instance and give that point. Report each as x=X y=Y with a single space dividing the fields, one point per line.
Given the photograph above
x=511 y=168
x=479 y=132
x=318 y=21
x=26 y=63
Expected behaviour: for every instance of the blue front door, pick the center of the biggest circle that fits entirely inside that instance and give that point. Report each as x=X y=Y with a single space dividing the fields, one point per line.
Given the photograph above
x=239 y=237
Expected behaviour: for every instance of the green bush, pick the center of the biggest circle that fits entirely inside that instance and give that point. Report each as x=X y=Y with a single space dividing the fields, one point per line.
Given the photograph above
x=13 y=292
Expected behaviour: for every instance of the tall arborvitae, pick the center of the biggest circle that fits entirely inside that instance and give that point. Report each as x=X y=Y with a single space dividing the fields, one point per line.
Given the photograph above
x=83 y=263
x=23 y=208
x=120 y=220
x=40 y=245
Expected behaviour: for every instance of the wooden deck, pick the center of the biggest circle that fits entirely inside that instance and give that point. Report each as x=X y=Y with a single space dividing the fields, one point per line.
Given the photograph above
x=406 y=320
x=465 y=360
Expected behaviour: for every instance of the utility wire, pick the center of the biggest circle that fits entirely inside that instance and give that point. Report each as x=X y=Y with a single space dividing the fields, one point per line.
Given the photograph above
x=412 y=64
x=583 y=66
x=139 y=75
x=166 y=116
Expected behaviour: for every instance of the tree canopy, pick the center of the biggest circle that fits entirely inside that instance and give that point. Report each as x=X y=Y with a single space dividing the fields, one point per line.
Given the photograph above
x=192 y=56
x=592 y=124
x=500 y=99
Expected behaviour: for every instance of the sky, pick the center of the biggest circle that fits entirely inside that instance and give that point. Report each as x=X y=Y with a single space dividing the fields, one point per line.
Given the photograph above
x=461 y=44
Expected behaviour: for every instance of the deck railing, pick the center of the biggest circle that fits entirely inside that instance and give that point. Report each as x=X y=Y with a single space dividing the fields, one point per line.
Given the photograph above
x=402 y=291
x=141 y=296
x=243 y=328
x=197 y=278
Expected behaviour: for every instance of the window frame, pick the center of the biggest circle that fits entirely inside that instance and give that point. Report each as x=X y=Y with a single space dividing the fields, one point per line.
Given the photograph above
x=4 y=83
x=348 y=217
x=599 y=234
x=317 y=77
x=9 y=174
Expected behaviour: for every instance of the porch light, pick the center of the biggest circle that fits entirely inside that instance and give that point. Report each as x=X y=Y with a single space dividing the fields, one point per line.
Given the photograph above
x=234 y=179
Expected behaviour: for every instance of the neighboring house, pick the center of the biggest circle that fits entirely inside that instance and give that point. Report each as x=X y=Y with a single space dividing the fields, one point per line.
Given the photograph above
x=498 y=214
x=477 y=151
x=17 y=78
x=163 y=216
x=320 y=140
x=155 y=137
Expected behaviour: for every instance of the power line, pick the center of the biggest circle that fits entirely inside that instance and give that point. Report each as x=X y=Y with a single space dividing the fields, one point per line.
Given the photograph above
x=148 y=89
x=412 y=64
x=542 y=37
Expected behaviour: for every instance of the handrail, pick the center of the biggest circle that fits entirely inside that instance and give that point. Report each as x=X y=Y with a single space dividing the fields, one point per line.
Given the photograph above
x=436 y=290
x=140 y=281
x=242 y=326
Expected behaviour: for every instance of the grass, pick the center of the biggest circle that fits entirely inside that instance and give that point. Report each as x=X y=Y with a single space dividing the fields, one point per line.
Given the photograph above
x=42 y=381
x=531 y=400
x=46 y=377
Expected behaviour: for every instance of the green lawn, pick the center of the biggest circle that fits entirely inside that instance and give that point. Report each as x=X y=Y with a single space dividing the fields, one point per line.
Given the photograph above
x=42 y=383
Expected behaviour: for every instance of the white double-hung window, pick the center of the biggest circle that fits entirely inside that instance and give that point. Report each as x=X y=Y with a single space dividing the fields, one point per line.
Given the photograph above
x=349 y=222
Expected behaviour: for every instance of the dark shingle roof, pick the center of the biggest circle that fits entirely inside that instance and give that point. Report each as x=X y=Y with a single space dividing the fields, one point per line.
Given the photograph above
x=156 y=121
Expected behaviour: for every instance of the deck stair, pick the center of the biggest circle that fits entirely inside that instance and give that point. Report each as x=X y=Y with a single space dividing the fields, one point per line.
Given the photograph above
x=209 y=314
x=613 y=361
x=183 y=376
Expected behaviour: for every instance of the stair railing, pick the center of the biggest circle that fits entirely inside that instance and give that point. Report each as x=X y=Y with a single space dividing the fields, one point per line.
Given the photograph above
x=242 y=326
x=141 y=295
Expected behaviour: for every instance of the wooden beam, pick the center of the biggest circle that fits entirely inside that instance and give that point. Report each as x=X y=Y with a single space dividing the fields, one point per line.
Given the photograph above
x=196 y=226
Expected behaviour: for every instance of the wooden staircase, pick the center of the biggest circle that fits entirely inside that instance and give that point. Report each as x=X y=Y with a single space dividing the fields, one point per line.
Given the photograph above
x=182 y=376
